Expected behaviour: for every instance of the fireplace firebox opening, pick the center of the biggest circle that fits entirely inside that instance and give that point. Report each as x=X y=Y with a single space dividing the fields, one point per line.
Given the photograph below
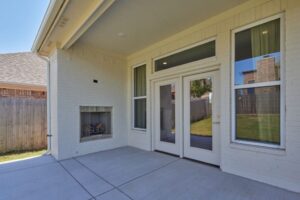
x=95 y=122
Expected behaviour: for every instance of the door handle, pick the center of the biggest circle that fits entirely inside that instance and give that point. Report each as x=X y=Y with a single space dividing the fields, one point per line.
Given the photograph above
x=217 y=122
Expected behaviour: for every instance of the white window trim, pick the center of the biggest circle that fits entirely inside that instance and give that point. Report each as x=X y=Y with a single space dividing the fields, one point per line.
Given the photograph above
x=280 y=83
x=134 y=98
x=183 y=49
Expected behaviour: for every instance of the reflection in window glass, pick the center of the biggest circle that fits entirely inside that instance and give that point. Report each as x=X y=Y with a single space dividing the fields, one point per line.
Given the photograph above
x=201 y=113
x=139 y=97
x=140 y=81
x=257 y=60
x=258 y=114
x=257 y=57
x=140 y=113
x=167 y=113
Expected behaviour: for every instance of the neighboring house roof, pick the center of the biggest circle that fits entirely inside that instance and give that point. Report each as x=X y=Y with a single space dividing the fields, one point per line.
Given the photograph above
x=25 y=69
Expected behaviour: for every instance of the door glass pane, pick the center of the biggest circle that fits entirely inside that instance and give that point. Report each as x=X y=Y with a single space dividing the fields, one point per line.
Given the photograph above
x=167 y=113
x=258 y=114
x=201 y=113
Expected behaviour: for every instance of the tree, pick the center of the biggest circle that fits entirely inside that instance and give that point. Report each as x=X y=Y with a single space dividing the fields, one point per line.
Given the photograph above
x=200 y=87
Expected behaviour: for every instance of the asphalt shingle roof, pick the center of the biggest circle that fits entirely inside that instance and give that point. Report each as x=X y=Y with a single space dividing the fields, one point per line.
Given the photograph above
x=23 y=68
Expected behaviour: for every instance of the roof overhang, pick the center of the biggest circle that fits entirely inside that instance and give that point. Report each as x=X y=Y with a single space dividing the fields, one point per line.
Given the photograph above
x=65 y=21
x=133 y=25
x=124 y=27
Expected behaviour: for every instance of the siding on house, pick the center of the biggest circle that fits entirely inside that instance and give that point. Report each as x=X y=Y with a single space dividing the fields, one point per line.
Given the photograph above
x=73 y=70
x=277 y=167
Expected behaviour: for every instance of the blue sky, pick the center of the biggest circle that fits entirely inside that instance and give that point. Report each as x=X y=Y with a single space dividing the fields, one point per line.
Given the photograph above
x=19 y=23
x=249 y=64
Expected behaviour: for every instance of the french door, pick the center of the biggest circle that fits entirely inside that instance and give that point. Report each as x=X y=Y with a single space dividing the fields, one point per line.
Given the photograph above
x=186 y=116
x=201 y=117
x=166 y=116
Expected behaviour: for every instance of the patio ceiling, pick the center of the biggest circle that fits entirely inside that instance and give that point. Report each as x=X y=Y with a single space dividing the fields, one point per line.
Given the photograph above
x=131 y=25
x=121 y=26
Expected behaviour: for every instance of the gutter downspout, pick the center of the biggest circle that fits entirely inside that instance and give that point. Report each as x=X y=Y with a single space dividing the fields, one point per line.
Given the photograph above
x=48 y=105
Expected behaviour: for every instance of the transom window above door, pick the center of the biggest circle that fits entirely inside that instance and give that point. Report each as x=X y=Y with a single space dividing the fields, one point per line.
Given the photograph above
x=192 y=54
x=257 y=91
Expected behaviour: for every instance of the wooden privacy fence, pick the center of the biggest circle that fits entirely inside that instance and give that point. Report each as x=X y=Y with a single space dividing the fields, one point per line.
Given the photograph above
x=23 y=124
x=200 y=109
x=258 y=103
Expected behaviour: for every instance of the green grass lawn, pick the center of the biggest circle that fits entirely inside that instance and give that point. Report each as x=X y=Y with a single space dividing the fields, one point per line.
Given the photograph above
x=264 y=127
x=202 y=127
x=20 y=155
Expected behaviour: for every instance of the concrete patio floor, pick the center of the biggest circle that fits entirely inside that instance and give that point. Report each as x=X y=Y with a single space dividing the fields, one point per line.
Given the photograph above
x=127 y=173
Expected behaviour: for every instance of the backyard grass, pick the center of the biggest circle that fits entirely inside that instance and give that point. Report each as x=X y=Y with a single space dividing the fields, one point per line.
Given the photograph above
x=20 y=155
x=202 y=127
x=264 y=127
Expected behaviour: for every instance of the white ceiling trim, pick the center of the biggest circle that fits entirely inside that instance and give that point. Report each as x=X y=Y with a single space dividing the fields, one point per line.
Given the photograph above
x=53 y=13
x=64 y=23
x=84 y=25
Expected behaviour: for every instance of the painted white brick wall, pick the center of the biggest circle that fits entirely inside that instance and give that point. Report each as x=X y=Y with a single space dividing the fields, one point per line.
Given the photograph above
x=281 y=168
x=53 y=102
x=73 y=71
x=277 y=167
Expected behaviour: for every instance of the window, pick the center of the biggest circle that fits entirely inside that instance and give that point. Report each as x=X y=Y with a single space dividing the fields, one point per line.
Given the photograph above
x=190 y=55
x=257 y=84
x=139 y=97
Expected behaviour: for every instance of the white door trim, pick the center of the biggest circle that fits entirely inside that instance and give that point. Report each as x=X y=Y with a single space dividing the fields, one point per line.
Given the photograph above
x=192 y=69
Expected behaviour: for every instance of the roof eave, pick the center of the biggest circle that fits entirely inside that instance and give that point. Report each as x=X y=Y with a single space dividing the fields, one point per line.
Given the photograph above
x=50 y=16
x=55 y=33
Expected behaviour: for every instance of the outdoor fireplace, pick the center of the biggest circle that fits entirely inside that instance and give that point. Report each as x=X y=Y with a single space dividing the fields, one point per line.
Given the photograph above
x=95 y=122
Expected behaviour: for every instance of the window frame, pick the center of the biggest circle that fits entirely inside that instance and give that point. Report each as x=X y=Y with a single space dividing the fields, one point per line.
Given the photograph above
x=133 y=97
x=280 y=83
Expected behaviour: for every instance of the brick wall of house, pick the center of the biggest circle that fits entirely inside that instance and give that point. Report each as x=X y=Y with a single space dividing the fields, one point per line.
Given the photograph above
x=6 y=92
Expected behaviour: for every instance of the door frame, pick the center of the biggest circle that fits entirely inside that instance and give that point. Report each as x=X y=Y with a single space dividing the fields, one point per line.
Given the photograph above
x=187 y=70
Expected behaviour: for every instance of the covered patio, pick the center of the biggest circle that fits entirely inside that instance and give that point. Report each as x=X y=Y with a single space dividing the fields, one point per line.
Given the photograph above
x=127 y=173
x=155 y=75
